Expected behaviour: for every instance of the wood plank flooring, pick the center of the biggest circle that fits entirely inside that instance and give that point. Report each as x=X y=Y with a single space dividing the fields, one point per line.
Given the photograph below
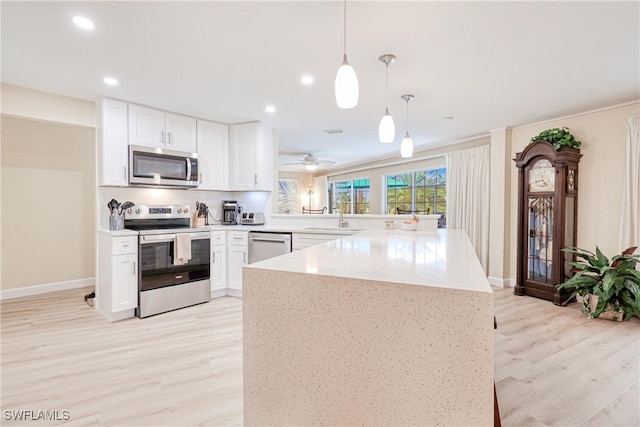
x=553 y=366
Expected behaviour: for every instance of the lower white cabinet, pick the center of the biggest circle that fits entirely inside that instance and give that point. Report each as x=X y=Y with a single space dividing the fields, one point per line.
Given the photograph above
x=117 y=275
x=238 y=256
x=218 y=263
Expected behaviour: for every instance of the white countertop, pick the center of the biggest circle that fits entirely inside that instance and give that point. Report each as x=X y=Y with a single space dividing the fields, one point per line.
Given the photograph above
x=444 y=259
x=287 y=229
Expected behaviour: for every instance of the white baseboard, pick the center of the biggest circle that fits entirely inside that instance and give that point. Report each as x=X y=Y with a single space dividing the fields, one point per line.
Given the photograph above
x=48 y=287
x=234 y=292
x=218 y=293
x=502 y=283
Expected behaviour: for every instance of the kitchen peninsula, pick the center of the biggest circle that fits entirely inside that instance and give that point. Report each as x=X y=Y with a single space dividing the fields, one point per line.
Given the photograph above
x=384 y=327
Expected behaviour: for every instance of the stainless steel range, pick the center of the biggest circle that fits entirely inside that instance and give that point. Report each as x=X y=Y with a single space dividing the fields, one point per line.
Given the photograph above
x=174 y=258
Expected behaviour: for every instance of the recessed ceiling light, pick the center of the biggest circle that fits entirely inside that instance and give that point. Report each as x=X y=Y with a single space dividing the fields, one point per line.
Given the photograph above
x=270 y=109
x=110 y=81
x=83 y=22
x=307 y=80
x=447 y=119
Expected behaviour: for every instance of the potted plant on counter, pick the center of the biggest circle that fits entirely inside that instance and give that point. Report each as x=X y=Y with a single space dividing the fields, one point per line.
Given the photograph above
x=607 y=288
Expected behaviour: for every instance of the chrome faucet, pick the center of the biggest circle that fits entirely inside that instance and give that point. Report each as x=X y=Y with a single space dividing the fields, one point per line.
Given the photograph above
x=341 y=222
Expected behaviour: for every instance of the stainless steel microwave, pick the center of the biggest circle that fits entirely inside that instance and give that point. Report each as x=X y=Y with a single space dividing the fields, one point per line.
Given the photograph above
x=160 y=167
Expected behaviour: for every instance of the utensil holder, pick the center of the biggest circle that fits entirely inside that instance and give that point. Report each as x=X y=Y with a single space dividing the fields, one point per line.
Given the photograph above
x=116 y=222
x=199 y=221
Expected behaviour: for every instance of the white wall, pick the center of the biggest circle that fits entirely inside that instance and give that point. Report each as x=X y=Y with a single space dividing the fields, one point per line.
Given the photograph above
x=600 y=174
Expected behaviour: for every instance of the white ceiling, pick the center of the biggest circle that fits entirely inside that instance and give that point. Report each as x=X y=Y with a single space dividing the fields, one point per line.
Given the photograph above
x=487 y=64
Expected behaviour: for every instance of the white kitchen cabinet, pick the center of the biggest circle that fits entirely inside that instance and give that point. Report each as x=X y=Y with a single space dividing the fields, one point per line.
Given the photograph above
x=305 y=240
x=251 y=157
x=117 y=278
x=238 y=255
x=213 y=155
x=112 y=143
x=218 y=263
x=155 y=128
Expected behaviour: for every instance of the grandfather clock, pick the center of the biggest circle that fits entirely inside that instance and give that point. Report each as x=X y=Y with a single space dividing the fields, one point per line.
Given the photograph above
x=547 y=212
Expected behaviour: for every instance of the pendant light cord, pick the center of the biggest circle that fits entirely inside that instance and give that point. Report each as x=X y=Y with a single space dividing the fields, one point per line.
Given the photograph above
x=345 y=27
x=407 y=116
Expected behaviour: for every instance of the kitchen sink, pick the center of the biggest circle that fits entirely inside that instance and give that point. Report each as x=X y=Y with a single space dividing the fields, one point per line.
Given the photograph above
x=334 y=228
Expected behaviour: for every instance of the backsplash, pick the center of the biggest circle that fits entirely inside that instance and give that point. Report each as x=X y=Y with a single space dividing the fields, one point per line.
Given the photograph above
x=251 y=201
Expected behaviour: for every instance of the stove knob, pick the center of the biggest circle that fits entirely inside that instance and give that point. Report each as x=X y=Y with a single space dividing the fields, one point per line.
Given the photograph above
x=186 y=210
x=138 y=210
x=129 y=211
x=179 y=210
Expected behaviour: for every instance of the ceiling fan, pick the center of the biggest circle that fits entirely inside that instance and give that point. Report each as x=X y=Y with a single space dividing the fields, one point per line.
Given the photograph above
x=311 y=162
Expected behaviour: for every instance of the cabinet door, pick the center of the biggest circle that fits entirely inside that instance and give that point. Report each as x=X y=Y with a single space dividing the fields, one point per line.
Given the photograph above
x=218 y=267
x=112 y=143
x=180 y=133
x=125 y=282
x=213 y=155
x=238 y=256
x=146 y=126
x=244 y=166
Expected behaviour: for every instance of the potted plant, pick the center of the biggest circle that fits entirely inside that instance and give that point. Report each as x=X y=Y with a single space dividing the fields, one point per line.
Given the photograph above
x=610 y=287
x=558 y=137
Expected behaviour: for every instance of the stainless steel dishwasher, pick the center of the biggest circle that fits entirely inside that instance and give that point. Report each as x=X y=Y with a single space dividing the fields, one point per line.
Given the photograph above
x=263 y=245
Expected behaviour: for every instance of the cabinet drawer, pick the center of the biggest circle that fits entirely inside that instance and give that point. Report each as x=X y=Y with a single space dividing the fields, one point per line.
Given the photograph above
x=238 y=238
x=124 y=245
x=218 y=237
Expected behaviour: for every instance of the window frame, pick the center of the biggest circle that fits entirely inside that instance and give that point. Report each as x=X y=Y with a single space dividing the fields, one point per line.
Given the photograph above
x=414 y=205
x=332 y=196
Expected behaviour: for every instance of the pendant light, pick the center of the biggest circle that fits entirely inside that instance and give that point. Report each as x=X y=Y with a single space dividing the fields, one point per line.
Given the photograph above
x=346 y=88
x=406 y=148
x=387 y=128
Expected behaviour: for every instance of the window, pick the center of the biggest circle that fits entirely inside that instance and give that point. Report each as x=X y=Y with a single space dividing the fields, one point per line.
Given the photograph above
x=352 y=196
x=422 y=191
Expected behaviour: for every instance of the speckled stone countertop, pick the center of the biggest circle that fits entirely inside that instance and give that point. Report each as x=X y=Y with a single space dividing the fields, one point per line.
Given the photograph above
x=394 y=256
x=384 y=328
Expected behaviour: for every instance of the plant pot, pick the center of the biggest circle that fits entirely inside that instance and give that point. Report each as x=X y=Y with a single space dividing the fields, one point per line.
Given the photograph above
x=589 y=304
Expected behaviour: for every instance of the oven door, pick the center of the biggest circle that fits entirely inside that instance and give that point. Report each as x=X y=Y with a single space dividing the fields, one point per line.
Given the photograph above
x=156 y=261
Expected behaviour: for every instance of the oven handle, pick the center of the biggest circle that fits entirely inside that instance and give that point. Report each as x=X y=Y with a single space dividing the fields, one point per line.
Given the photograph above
x=160 y=238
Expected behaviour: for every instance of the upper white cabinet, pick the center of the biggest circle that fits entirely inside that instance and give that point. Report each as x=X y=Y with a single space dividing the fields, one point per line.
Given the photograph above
x=213 y=156
x=112 y=142
x=251 y=157
x=155 y=128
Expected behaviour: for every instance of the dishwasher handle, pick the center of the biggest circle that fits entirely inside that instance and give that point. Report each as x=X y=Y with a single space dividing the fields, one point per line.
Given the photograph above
x=263 y=239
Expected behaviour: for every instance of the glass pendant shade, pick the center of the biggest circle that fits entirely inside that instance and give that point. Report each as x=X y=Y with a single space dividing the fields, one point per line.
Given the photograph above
x=406 y=148
x=347 y=90
x=387 y=128
x=311 y=167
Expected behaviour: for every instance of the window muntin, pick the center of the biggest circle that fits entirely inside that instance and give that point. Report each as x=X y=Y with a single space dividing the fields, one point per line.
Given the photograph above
x=423 y=191
x=350 y=196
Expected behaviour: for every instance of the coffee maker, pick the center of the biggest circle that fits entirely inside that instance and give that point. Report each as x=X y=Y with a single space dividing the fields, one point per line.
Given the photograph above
x=229 y=212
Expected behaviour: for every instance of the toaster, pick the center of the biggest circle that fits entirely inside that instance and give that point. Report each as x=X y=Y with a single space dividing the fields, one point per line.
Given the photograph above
x=252 y=218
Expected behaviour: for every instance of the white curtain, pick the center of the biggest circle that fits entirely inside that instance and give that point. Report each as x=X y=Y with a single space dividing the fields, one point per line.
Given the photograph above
x=468 y=197
x=630 y=219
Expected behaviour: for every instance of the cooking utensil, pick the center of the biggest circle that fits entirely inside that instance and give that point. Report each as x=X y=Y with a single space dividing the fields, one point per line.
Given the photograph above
x=126 y=205
x=113 y=206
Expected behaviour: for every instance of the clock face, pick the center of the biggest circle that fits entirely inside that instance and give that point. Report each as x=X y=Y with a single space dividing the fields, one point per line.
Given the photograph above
x=542 y=176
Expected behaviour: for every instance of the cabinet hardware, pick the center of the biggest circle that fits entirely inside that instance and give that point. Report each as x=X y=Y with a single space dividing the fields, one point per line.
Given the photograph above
x=244 y=255
x=169 y=141
x=255 y=179
x=133 y=267
x=124 y=170
x=200 y=177
x=214 y=257
x=178 y=276
x=162 y=136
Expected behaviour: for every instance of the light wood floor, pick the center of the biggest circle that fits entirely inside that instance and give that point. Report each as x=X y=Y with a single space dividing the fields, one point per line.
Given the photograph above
x=553 y=366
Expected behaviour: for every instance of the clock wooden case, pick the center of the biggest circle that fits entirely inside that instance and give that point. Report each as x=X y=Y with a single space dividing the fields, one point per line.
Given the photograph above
x=547 y=214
